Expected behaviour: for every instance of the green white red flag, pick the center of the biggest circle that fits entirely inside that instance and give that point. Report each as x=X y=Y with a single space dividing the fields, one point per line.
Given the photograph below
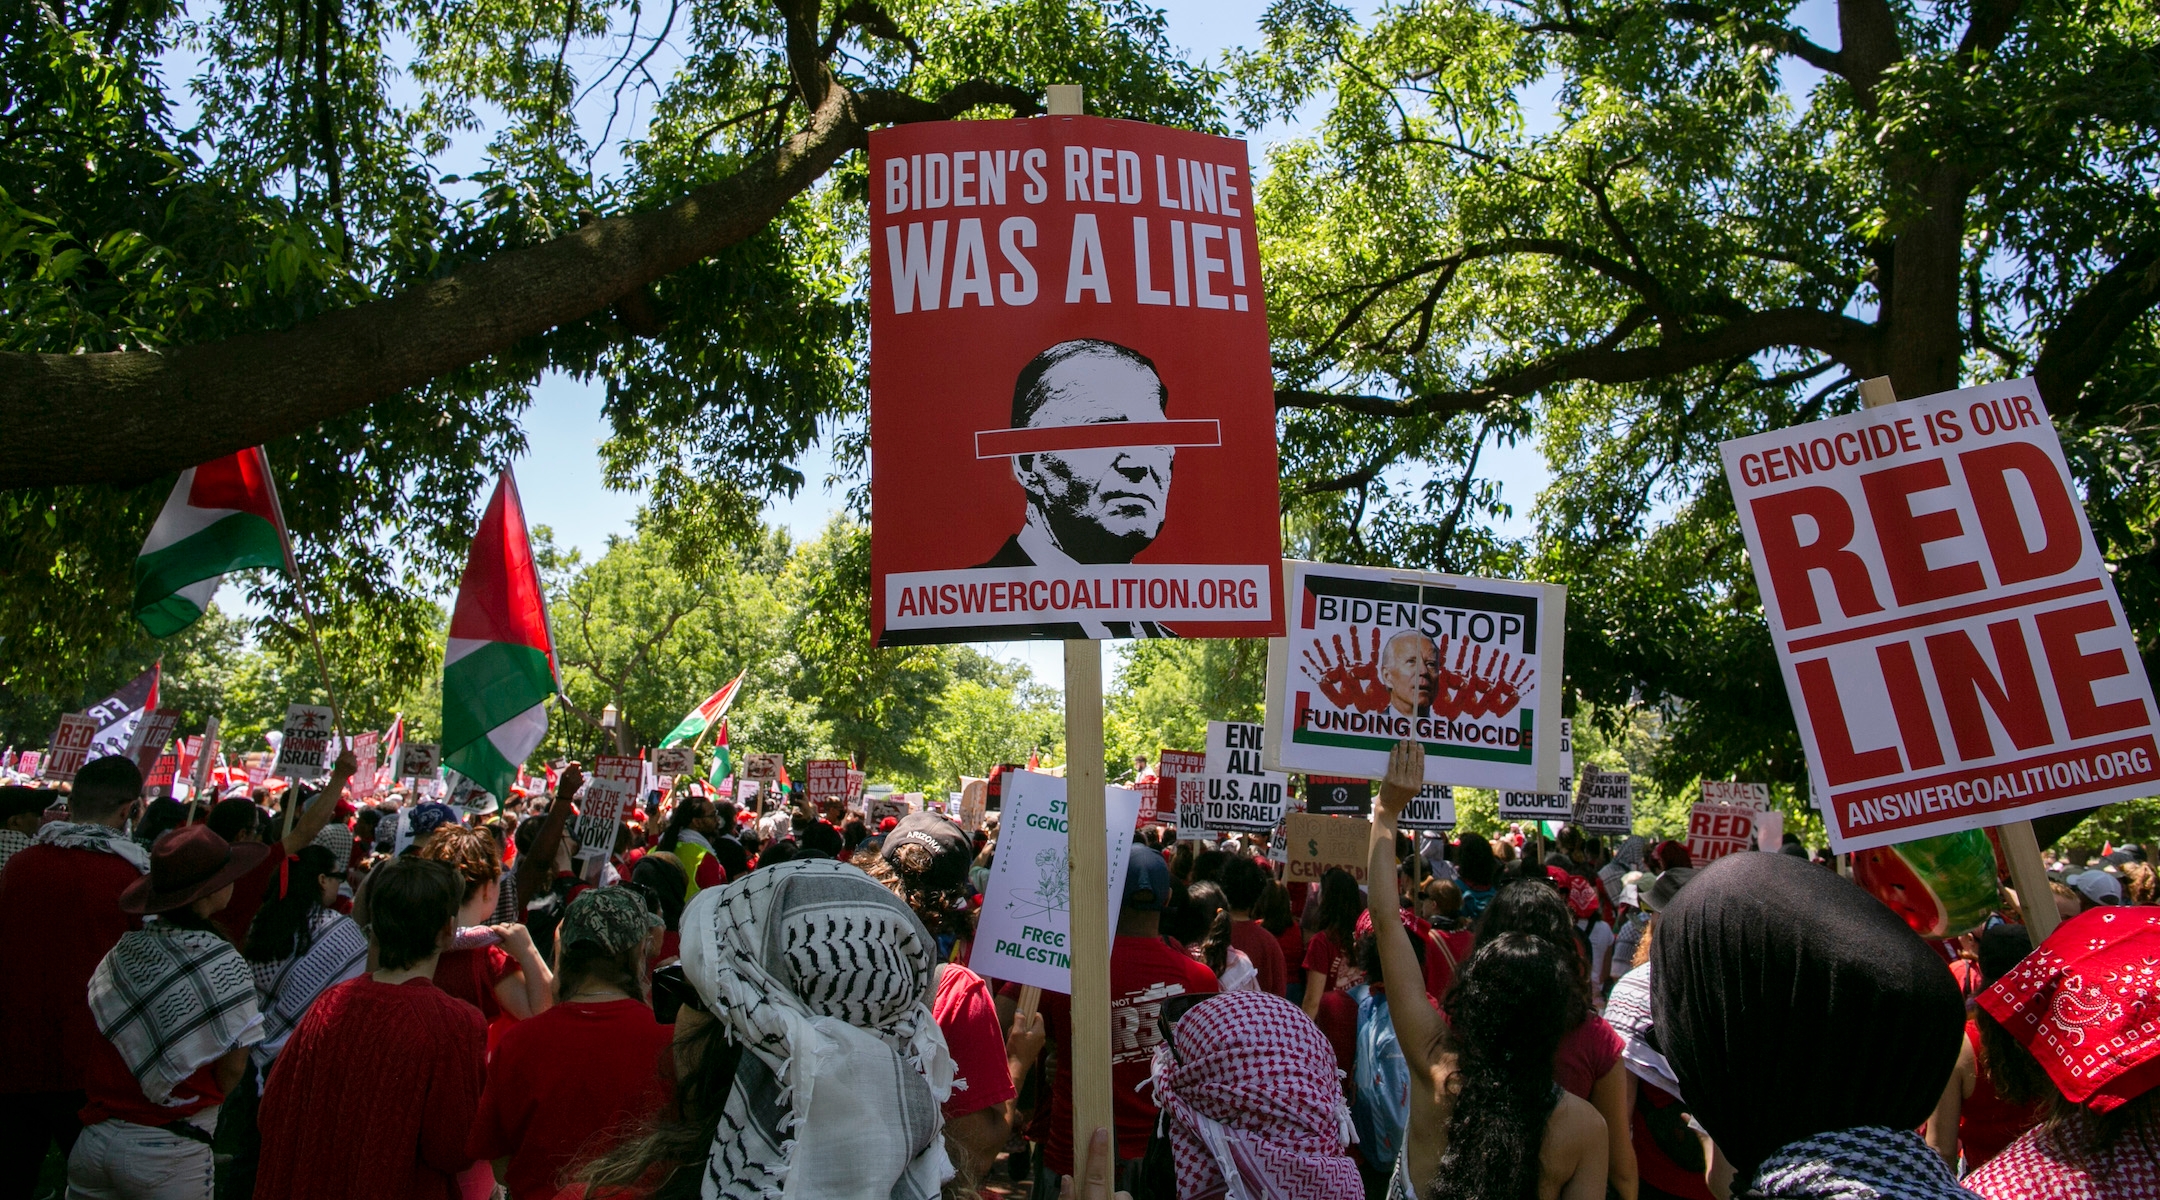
x=704 y=716
x=499 y=666
x=222 y=517
x=723 y=762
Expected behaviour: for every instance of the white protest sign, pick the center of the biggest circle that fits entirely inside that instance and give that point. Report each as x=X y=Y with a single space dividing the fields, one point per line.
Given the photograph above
x=1433 y=808
x=604 y=803
x=674 y=761
x=1949 y=634
x=419 y=760
x=1024 y=932
x=1242 y=796
x=70 y=746
x=150 y=735
x=1746 y=795
x=304 y=751
x=1181 y=794
x=1469 y=668
x=765 y=768
x=1567 y=751
x=1717 y=829
x=1537 y=806
x=1605 y=802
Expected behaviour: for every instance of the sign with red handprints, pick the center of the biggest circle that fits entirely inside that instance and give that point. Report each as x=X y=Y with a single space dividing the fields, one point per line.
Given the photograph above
x=1377 y=655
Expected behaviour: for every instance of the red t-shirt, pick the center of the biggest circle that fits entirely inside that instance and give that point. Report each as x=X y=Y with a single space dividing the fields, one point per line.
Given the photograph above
x=1439 y=973
x=373 y=1096
x=59 y=909
x=471 y=976
x=1143 y=973
x=1322 y=955
x=968 y=1017
x=116 y=1095
x=569 y=1083
x=1265 y=952
x=1292 y=943
x=248 y=893
x=1586 y=1054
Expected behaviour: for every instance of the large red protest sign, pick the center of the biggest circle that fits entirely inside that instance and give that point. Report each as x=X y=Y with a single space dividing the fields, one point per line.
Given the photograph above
x=1951 y=640
x=1072 y=419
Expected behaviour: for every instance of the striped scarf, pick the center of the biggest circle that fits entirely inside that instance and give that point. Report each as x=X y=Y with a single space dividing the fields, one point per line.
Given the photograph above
x=823 y=978
x=171 y=1000
x=332 y=951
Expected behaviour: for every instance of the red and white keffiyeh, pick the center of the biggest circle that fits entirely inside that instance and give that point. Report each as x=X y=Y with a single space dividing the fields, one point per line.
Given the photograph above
x=2086 y=1004
x=1253 y=1103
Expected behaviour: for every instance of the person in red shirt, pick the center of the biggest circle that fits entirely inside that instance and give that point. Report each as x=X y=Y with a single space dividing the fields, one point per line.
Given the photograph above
x=59 y=914
x=1243 y=883
x=924 y=860
x=377 y=1089
x=1145 y=970
x=176 y=1007
x=239 y=822
x=507 y=975
x=573 y=1080
x=1331 y=964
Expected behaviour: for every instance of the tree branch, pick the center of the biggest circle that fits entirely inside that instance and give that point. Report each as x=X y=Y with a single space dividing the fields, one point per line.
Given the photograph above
x=153 y=412
x=1853 y=344
x=2084 y=339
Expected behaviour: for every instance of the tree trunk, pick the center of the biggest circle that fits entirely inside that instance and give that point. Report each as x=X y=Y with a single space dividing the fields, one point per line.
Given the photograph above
x=1924 y=339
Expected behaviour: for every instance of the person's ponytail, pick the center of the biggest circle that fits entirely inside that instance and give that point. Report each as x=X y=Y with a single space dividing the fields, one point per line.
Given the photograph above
x=281 y=928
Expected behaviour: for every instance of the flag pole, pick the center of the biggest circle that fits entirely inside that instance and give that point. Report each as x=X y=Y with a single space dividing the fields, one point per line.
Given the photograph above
x=307 y=612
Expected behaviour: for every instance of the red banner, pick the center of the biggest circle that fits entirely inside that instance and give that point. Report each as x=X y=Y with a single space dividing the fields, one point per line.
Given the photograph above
x=1072 y=411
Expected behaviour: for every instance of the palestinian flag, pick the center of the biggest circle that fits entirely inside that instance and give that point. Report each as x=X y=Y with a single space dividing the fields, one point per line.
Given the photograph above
x=723 y=763
x=222 y=517
x=703 y=716
x=499 y=666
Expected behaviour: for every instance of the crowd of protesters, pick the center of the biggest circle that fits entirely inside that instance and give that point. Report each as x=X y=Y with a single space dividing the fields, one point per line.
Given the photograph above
x=406 y=999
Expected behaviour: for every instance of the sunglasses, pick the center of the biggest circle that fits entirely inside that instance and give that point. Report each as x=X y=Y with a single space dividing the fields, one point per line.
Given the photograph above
x=1171 y=1011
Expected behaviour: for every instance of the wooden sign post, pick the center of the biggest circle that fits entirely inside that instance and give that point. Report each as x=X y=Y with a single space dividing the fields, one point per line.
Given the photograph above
x=1088 y=842
x=2035 y=897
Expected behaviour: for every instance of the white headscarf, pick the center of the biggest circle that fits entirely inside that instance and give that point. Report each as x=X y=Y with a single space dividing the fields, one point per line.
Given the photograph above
x=823 y=978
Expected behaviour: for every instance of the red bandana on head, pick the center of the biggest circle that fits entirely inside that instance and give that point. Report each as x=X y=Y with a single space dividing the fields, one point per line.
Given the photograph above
x=2086 y=1004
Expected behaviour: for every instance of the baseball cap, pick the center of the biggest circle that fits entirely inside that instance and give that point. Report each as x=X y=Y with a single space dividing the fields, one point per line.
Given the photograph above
x=2098 y=887
x=1147 y=880
x=950 y=851
x=613 y=918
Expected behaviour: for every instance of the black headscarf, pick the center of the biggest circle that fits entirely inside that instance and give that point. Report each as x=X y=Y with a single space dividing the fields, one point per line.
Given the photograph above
x=1791 y=1003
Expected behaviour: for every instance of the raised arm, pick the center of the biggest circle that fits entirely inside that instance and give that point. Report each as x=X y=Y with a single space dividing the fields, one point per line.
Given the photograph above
x=310 y=820
x=1417 y=1024
x=533 y=868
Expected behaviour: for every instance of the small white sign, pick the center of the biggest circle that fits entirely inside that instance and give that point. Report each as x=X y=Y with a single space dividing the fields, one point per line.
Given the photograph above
x=1025 y=934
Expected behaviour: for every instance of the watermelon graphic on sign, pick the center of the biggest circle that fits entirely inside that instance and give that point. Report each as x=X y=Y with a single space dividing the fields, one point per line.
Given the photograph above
x=1942 y=886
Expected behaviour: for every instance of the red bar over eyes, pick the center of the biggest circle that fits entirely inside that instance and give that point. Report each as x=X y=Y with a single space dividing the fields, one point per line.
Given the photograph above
x=1100 y=435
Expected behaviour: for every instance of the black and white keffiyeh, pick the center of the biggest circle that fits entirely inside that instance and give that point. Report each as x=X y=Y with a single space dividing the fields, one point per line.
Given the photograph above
x=824 y=979
x=334 y=951
x=172 y=999
x=73 y=835
x=1871 y=1162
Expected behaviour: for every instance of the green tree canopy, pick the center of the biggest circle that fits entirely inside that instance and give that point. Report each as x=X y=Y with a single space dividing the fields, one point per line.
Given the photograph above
x=1629 y=230
x=275 y=250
